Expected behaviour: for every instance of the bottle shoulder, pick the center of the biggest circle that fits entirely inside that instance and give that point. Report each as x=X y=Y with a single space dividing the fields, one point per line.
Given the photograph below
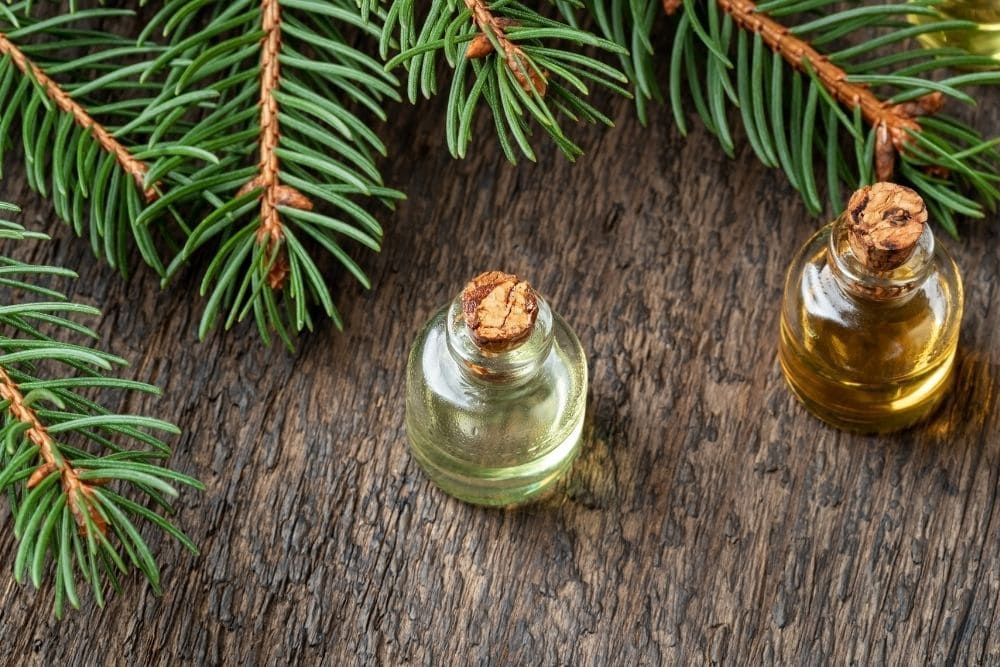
x=459 y=419
x=433 y=370
x=870 y=338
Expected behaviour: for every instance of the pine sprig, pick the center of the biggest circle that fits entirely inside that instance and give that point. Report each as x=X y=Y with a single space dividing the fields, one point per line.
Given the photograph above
x=631 y=24
x=804 y=92
x=67 y=464
x=92 y=139
x=814 y=85
x=252 y=117
x=287 y=81
x=523 y=65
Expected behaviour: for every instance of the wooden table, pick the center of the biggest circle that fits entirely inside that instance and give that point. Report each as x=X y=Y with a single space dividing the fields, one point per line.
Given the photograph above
x=709 y=518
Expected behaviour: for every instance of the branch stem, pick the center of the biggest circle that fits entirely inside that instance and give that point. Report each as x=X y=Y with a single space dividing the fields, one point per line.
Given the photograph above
x=270 y=234
x=797 y=51
x=516 y=60
x=76 y=489
x=132 y=166
x=270 y=76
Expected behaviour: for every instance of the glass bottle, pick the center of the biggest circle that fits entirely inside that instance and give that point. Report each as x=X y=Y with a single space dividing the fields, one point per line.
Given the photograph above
x=496 y=386
x=871 y=315
x=983 y=40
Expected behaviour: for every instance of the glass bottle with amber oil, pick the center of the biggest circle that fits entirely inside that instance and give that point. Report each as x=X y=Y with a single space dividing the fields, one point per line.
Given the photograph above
x=983 y=39
x=871 y=314
x=496 y=386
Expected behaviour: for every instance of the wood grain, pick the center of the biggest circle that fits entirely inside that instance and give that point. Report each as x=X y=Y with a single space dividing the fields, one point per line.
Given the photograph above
x=710 y=519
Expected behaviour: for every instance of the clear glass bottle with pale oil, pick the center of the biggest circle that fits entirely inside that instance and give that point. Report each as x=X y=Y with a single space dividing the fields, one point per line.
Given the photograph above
x=496 y=388
x=983 y=39
x=871 y=315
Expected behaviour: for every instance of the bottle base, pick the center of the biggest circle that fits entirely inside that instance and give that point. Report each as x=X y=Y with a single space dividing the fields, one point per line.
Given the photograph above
x=497 y=486
x=853 y=409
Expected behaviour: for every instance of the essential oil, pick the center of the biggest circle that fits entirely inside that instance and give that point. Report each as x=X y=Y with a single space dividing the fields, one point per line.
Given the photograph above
x=496 y=390
x=984 y=40
x=871 y=315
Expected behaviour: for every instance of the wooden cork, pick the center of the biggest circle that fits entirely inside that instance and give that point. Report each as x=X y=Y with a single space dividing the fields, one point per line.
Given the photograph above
x=885 y=222
x=499 y=309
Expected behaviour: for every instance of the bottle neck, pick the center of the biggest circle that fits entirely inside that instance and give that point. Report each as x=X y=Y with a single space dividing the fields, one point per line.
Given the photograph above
x=857 y=279
x=515 y=365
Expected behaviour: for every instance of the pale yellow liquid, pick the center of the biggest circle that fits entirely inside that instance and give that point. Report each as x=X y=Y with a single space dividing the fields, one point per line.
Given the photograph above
x=493 y=442
x=985 y=41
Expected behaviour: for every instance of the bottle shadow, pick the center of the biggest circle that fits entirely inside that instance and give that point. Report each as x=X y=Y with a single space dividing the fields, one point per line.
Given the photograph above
x=591 y=482
x=964 y=415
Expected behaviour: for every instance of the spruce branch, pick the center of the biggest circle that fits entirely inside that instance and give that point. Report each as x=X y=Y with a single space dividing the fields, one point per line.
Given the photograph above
x=494 y=27
x=288 y=85
x=273 y=193
x=253 y=117
x=808 y=85
x=135 y=168
x=94 y=138
x=79 y=494
x=801 y=55
x=67 y=464
x=809 y=79
x=522 y=64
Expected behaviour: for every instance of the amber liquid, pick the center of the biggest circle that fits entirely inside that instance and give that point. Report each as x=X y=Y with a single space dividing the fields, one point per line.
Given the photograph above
x=985 y=41
x=867 y=365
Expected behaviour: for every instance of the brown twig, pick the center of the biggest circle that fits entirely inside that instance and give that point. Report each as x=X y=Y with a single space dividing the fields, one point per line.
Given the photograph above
x=892 y=122
x=527 y=76
x=273 y=193
x=133 y=167
x=78 y=491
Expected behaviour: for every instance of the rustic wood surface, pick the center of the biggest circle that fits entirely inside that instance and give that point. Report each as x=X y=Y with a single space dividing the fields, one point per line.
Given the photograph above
x=710 y=519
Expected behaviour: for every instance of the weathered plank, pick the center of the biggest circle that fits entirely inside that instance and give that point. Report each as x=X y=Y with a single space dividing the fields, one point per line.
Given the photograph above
x=710 y=518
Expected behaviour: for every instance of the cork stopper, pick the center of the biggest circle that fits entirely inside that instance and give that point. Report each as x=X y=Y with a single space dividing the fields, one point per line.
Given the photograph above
x=499 y=309
x=885 y=222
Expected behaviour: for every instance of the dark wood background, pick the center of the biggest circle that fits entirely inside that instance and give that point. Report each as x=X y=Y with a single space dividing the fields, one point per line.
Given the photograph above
x=709 y=518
